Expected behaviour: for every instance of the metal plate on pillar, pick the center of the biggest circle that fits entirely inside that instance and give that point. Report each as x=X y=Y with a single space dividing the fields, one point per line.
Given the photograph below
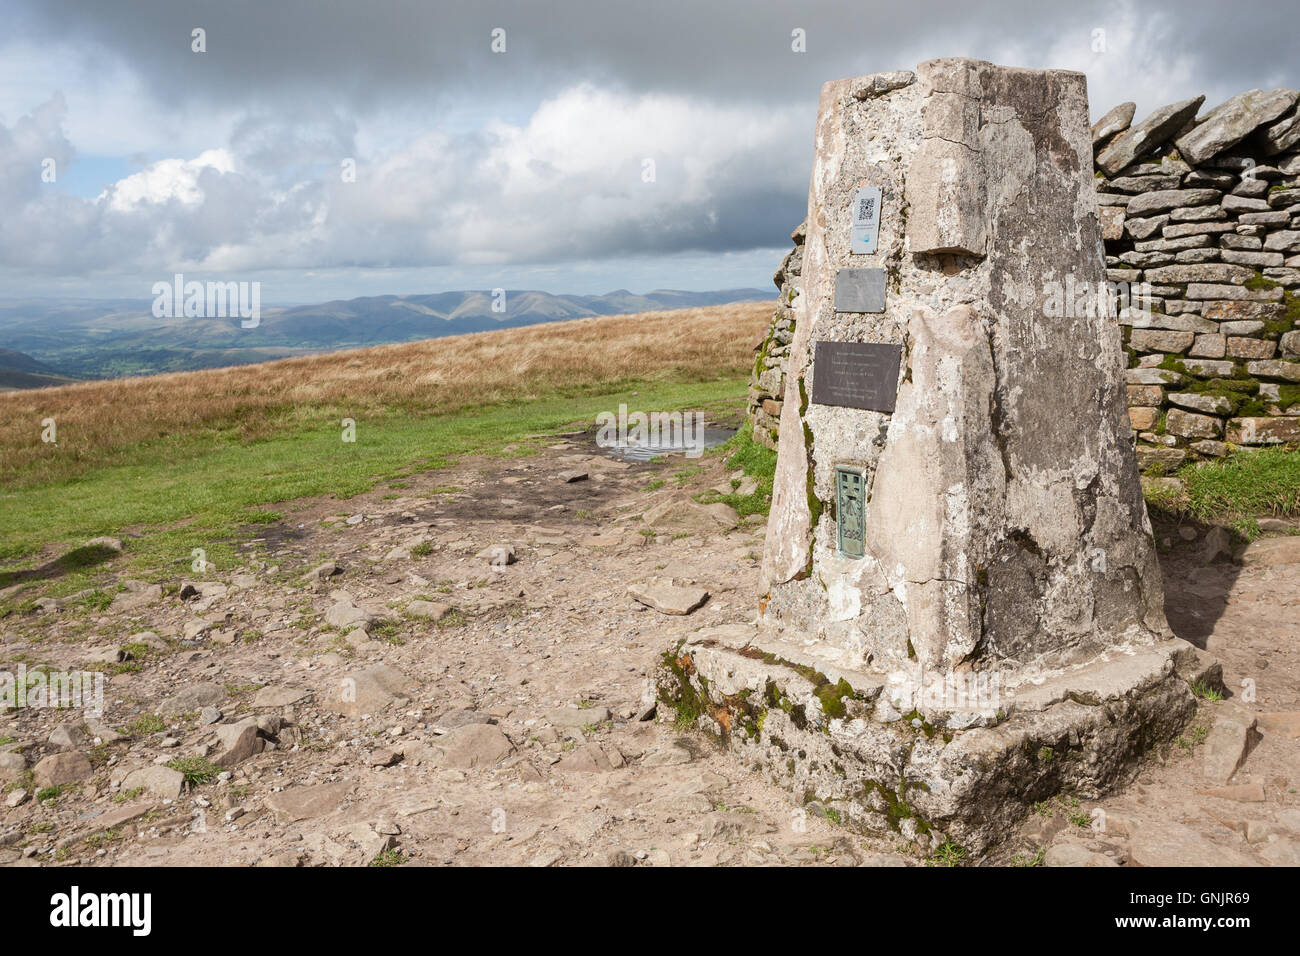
x=850 y=511
x=860 y=290
x=856 y=375
x=865 y=229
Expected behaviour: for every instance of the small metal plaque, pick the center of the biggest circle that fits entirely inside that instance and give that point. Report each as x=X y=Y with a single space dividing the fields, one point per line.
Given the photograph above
x=865 y=230
x=860 y=290
x=850 y=511
x=856 y=375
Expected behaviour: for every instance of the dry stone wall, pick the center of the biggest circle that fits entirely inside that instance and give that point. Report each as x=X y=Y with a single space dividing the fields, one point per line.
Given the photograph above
x=767 y=384
x=1200 y=219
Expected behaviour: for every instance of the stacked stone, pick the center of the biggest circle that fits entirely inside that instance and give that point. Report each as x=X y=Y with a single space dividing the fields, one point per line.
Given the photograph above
x=1203 y=216
x=767 y=383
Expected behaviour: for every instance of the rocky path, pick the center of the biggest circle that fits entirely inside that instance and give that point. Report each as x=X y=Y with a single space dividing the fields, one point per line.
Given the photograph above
x=457 y=671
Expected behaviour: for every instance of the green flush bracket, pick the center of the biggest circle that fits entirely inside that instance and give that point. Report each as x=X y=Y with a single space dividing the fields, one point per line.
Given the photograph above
x=850 y=510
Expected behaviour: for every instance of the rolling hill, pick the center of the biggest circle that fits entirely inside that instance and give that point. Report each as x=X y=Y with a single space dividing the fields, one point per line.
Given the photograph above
x=18 y=370
x=116 y=338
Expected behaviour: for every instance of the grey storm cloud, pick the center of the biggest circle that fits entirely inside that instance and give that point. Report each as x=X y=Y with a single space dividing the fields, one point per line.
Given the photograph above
x=363 y=53
x=537 y=155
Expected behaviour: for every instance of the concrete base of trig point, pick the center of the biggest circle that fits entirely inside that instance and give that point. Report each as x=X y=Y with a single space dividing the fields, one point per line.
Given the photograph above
x=964 y=612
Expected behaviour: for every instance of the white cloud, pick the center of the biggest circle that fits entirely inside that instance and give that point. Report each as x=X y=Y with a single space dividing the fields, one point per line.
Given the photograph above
x=167 y=180
x=565 y=184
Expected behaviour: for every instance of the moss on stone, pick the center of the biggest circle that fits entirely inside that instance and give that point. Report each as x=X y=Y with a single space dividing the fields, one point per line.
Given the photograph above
x=897 y=807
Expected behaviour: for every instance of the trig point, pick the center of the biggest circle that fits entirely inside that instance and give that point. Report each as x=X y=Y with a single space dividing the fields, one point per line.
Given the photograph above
x=964 y=611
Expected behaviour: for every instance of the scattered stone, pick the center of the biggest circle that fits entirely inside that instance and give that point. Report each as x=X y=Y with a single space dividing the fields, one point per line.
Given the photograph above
x=105 y=542
x=458 y=718
x=474 y=745
x=278 y=696
x=578 y=716
x=161 y=782
x=429 y=610
x=192 y=698
x=239 y=741
x=569 y=477
x=70 y=736
x=368 y=691
x=498 y=555
x=1228 y=743
x=306 y=803
x=61 y=768
x=667 y=598
x=1071 y=854
x=345 y=614
x=322 y=572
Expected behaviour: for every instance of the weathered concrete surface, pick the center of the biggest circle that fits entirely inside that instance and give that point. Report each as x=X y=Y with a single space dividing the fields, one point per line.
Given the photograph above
x=1003 y=636
x=1005 y=516
x=842 y=739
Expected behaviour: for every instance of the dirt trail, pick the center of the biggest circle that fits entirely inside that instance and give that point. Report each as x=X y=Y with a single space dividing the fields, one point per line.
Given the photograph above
x=497 y=721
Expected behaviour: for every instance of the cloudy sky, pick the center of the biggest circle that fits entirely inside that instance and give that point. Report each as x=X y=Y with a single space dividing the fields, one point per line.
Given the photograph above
x=528 y=168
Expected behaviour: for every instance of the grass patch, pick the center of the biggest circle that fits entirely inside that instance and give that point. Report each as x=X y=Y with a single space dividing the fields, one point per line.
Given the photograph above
x=199 y=492
x=1035 y=859
x=1205 y=691
x=947 y=854
x=758 y=462
x=146 y=724
x=195 y=770
x=50 y=794
x=1234 y=490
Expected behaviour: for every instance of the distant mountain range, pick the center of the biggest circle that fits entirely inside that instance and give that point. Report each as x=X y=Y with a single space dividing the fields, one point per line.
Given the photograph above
x=106 y=338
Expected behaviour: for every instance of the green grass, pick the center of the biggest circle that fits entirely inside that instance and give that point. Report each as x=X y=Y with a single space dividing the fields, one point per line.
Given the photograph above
x=207 y=492
x=1205 y=691
x=53 y=793
x=758 y=462
x=1235 y=490
x=146 y=724
x=195 y=770
x=1035 y=859
x=947 y=854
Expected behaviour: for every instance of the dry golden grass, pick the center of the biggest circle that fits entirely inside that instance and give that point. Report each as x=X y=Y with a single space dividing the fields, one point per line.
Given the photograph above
x=99 y=422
